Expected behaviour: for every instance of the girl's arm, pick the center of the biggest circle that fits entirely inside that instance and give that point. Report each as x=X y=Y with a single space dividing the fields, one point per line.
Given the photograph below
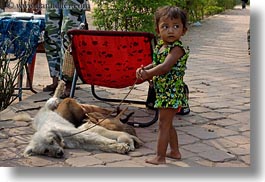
x=148 y=67
x=165 y=67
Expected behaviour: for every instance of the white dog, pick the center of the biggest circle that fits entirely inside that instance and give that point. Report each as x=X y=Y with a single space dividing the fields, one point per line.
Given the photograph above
x=54 y=133
x=119 y=136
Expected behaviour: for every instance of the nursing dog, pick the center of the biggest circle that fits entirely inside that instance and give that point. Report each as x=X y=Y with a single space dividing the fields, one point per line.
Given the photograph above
x=76 y=113
x=54 y=133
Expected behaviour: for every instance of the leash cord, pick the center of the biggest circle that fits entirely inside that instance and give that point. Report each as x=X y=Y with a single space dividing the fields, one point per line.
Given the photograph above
x=97 y=123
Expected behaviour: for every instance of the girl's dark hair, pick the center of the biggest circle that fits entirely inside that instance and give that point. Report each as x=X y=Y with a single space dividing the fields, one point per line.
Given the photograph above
x=171 y=12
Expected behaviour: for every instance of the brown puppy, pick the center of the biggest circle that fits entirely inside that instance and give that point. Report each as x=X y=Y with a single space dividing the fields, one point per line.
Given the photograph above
x=111 y=123
x=75 y=113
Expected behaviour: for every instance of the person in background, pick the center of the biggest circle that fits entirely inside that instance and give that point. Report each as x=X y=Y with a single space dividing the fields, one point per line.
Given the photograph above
x=244 y=3
x=61 y=16
x=36 y=7
x=167 y=72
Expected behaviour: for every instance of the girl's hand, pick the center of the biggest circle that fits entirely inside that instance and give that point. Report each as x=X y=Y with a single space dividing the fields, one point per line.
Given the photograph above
x=143 y=74
x=139 y=72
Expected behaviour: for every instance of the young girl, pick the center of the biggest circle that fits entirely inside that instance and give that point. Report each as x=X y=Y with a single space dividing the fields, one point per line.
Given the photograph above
x=167 y=72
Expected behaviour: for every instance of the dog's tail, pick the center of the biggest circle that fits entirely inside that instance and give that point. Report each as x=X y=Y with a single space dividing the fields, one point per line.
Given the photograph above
x=53 y=102
x=59 y=89
x=137 y=141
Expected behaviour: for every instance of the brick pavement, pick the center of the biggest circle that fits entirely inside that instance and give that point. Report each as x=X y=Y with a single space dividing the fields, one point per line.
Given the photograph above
x=215 y=134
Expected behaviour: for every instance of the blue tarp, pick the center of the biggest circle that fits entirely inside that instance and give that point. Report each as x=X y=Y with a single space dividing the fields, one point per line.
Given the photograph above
x=20 y=37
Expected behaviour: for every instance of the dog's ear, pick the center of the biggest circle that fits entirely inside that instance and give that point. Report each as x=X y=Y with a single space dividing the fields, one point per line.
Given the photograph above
x=28 y=151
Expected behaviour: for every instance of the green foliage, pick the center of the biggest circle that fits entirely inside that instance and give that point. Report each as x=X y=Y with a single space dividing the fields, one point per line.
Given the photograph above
x=211 y=10
x=6 y=82
x=137 y=15
x=132 y=15
x=9 y=74
x=226 y=4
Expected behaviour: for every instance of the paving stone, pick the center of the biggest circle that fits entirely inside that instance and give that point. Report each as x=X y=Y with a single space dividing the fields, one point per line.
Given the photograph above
x=246 y=134
x=151 y=145
x=243 y=117
x=8 y=153
x=212 y=115
x=215 y=105
x=142 y=151
x=200 y=109
x=198 y=147
x=5 y=143
x=200 y=132
x=177 y=163
x=217 y=155
x=3 y=134
x=196 y=161
x=186 y=154
x=222 y=132
x=124 y=164
x=7 y=124
x=111 y=157
x=84 y=161
x=38 y=161
x=246 y=159
x=239 y=139
x=240 y=150
x=224 y=122
x=186 y=139
x=239 y=127
x=20 y=131
x=76 y=153
x=19 y=139
x=141 y=161
x=231 y=164
x=228 y=110
x=220 y=143
x=147 y=136
x=195 y=119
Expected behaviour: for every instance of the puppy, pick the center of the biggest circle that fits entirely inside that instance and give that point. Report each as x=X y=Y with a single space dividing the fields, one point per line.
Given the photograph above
x=75 y=113
x=111 y=123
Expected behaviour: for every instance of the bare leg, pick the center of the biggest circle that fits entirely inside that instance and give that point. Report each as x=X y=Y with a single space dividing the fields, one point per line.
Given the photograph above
x=173 y=143
x=165 y=124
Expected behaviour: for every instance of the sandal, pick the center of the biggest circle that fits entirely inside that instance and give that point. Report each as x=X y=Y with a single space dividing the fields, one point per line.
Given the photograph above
x=49 y=88
x=64 y=95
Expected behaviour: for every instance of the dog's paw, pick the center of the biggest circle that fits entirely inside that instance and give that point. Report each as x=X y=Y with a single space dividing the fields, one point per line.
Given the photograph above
x=132 y=148
x=52 y=103
x=123 y=148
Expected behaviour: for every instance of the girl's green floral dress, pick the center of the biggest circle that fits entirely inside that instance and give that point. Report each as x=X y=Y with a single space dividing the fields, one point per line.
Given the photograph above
x=170 y=86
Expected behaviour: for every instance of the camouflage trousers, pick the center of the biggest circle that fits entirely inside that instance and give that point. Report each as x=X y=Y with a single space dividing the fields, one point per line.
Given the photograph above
x=61 y=16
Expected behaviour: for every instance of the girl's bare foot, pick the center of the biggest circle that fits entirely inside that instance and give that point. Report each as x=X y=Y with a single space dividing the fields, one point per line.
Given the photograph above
x=174 y=155
x=156 y=161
